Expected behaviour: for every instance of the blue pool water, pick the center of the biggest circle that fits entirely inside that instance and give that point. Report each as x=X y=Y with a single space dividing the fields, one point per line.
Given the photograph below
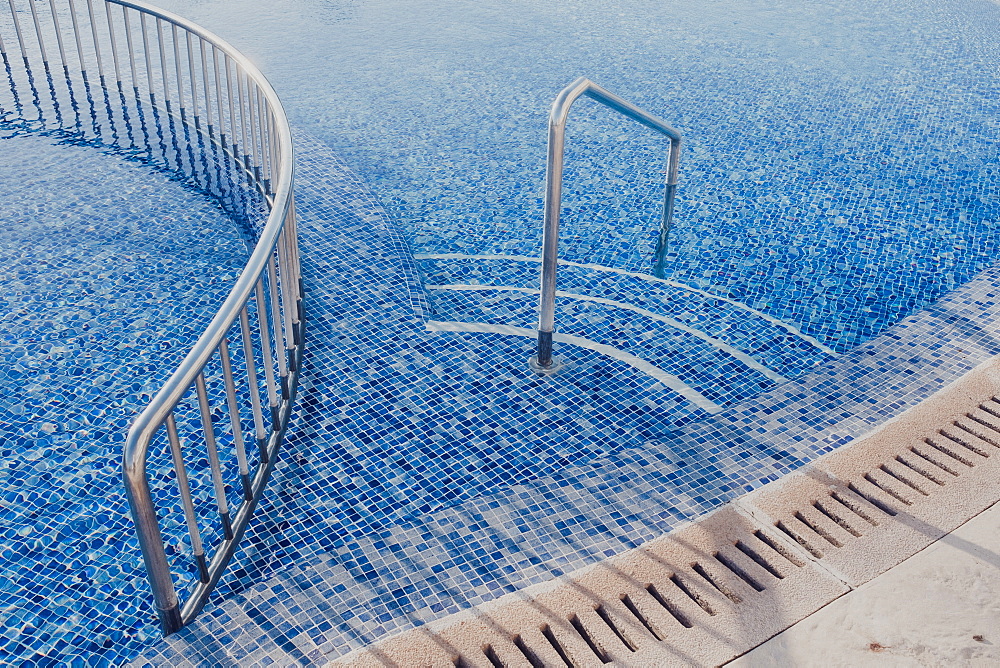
x=110 y=272
x=839 y=173
x=840 y=161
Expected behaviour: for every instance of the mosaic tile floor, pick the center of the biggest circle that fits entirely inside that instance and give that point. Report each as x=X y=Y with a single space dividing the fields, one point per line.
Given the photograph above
x=825 y=178
x=106 y=283
x=827 y=182
x=356 y=578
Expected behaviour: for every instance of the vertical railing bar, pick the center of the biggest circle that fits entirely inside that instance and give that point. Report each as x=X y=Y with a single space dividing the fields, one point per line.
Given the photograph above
x=291 y=224
x=218 y=96
x=265 y=337
x=251 y=363
x=186 y=502
x=267 y=147
x=289 y=311
x=213 y=455
x=194 y=79
x=243 y=114
x=294 y=223
x=287 y=298
x=119 y=79
x=114 y=43
x=264 y=134
x=177 y=69
x=207 y=87
x=131 y=48
x=229 y=98
x=17 y=31
x=59 y=37
x=276 y=321
x=76 y=36
x=234 y=418
x=163 y=62
x=38 y=33
x=145 y=57
x=45 y=64
x=65 y=62
x=97 y=41
x=251 y=123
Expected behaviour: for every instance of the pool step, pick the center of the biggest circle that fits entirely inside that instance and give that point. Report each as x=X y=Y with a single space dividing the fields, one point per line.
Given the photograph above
x=775 y=344
x=710 y=366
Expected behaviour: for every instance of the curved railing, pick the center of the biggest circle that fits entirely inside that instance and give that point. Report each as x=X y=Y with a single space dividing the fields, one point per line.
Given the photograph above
x=157 y=88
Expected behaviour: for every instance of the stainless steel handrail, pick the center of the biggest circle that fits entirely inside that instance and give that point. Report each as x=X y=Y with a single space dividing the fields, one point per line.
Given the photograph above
x=190 y=91
x=543 y=360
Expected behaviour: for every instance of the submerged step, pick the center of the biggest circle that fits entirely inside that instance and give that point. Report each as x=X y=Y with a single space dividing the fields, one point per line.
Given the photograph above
x=776 y=344
x=711 y=366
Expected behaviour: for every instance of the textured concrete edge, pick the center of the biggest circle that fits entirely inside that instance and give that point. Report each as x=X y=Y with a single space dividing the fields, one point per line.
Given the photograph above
x=781 y=579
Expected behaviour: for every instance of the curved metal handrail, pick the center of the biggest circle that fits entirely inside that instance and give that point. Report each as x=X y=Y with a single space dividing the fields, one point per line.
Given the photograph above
x=159 y=410
x=185 y=82
x=558 y=115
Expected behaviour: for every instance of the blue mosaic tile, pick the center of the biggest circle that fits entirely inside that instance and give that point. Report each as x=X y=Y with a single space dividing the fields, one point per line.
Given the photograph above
x=828 y=182
x=357 y=580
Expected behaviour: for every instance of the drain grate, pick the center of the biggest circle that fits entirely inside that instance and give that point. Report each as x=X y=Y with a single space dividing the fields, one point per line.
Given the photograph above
x=698 y=596
x=710 y=591
x=863 y=509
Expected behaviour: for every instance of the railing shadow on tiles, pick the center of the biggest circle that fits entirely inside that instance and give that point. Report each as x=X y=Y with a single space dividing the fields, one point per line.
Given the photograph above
x=154 y=87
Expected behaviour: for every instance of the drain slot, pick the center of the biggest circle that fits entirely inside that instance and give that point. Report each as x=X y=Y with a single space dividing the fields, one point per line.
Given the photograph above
x=669 y=606
x=964 y=442
x=888 y=490
x=740 y=573
x=990 y=426
x=823 y=533
x=722 y=588
x=853 y=506
x=758 y=559
x=934 y=462
x=778 y=547
x=946 y=450
x=692 y=593
x=985 y=438
x=919 y=470
x=871 y=499
x=527 y=653
x=990 y=409
x=836 y=519
x=602 y=612
x=630 y=604
x=781 y=526
x=551 y=637
x=587 y=638
x=901 y=478
x=492 y=657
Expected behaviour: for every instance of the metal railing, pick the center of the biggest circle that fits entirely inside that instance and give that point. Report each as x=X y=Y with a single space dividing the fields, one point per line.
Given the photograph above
x=157 y=88
x=543 y=360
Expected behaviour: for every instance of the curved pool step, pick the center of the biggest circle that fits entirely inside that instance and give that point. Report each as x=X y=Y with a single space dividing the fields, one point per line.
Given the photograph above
x=775 y=344
x=709 y=366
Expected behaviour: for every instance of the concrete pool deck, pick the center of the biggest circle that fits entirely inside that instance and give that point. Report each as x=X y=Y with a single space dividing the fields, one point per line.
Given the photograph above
x=940 y=607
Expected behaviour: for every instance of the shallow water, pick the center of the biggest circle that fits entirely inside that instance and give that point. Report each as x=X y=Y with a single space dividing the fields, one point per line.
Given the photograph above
x=109 y=272
x=839 y=170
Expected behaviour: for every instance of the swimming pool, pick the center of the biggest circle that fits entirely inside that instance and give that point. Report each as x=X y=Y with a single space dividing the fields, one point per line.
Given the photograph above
x=827 y=183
